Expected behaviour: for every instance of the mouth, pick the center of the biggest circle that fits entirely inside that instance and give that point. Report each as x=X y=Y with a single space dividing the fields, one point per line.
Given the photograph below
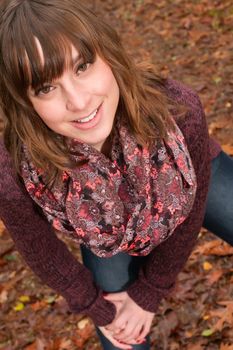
x=88 y=118
x=89 y=121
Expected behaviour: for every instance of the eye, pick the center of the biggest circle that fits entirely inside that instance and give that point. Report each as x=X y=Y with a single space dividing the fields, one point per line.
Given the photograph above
x=44 y=90
x=82 y=67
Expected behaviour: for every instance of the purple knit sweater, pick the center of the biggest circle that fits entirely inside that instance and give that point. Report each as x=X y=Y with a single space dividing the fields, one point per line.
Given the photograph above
x=50 y=259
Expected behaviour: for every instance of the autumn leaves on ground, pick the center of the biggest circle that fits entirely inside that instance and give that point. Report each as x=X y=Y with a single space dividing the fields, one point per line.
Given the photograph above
x=190 y=41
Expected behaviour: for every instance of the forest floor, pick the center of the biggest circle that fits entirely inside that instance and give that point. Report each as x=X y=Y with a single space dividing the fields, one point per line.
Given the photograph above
x=190 y=41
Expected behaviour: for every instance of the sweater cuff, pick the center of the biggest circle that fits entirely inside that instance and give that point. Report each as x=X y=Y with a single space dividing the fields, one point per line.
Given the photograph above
x=151 y=296
x=101 y=311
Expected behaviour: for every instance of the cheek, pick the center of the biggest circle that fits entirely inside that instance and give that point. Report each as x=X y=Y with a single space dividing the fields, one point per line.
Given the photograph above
x=49 y=112
x=106 y=81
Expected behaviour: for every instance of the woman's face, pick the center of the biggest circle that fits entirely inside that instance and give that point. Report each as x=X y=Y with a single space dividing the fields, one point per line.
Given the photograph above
x=82 y=103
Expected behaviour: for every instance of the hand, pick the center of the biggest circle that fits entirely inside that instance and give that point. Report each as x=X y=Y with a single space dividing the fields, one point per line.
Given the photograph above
x=131 y=323
x=109 y=335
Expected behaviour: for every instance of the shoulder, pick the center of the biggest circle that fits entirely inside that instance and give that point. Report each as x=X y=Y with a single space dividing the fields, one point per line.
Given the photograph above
x=193 y=124
x=187 y=97
x=182 y=93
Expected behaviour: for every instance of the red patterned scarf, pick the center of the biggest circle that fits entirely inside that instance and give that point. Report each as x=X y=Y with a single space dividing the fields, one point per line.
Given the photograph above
x=130 y=202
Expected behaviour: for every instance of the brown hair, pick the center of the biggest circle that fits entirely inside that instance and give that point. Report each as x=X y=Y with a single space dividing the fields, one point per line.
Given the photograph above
x=57 y=24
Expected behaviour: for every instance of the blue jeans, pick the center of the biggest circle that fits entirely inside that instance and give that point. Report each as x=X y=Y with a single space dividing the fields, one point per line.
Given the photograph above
x=219 y=210
x=116 y=273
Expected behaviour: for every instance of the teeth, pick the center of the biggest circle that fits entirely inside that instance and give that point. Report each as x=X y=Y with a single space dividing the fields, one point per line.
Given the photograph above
x=87 y=119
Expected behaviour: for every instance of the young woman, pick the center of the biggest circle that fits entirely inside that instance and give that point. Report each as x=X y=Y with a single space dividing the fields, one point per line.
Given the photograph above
x=104 y=151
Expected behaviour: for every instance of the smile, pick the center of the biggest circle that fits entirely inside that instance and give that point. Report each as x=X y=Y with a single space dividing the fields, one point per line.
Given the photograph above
x=88 y=118
x=90 y=121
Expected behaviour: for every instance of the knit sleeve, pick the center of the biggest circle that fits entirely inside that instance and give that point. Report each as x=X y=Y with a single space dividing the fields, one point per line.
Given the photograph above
x=45 y=254
x=157 y=277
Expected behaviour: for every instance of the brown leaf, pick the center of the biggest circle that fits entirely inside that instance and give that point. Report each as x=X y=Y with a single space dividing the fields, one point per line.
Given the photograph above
x=225 y=315
x=31 y=346
x=83 y=332
x=38 y=305
x=168 y=324
x=6 y=247
x=40 y=344
x=226 y=346
x=214 y=247
x=228 y=149
x=214 y=276
x=2 y=228
x=15 y=279
x=62 y=343
x=196 y=35
x=216 y=125
x=197 y=346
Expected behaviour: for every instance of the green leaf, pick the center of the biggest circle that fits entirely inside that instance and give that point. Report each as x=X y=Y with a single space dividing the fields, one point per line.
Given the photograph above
x=207 y=332
x=10 y=257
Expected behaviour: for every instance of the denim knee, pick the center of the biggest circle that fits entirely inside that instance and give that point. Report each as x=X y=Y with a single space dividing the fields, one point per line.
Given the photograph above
x=219 y=210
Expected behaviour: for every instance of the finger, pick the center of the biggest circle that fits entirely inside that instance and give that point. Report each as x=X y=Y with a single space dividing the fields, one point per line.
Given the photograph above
x=130 y=333
x=115 y=342
x=145 y=331
x=128 y=338
x=134 y=334
x=118 y=331
x=118 y=323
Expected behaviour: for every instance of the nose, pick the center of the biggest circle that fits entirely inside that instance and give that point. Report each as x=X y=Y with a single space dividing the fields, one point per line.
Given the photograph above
x=77 y=98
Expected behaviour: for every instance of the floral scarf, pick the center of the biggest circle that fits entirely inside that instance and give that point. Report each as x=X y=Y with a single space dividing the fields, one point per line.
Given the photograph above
x=130 y=202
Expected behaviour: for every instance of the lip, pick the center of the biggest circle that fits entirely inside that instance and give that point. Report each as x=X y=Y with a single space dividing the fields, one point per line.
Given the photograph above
x=92 y=123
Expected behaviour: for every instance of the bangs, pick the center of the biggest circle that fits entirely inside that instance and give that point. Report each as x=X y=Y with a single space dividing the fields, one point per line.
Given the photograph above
x=39 y=67
x=32 y=65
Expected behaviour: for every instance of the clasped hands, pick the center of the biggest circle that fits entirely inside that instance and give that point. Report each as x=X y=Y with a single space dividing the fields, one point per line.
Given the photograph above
x=131 y=323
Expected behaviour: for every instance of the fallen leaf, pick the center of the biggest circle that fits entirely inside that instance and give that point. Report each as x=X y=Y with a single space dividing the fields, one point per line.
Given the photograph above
x=6 y=247
x=10 y=257
x=2 y=227
x=214 y=247
x=65 y=344
x=83 y=323
x=217 y=80
x=207 y=332
x=197 y=346
x=3 y=296
x=225 y=315
x=226 y=346
x=31 y=346
x=40 y=344
x=24 y=298
x=207 y=266
x=196 y=35
x=206 y=317
x=214 y=276
x=18 y=307
x=51 y=299
x=217 y=125
x=229 y=150
x=38 y=305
